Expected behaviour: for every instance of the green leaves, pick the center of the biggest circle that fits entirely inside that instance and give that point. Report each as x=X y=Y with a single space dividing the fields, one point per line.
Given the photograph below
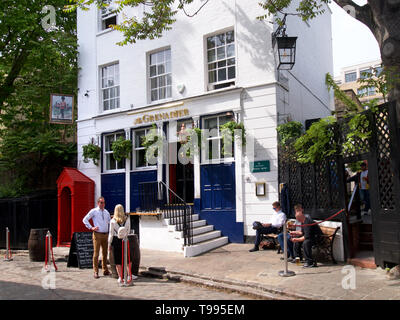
x=317 y=143
x=122 y=149
x=29 y=145
x=91 y=151
x=289 y=132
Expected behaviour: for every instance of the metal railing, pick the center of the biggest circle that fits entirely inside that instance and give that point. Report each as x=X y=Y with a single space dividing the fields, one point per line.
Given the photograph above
x=159 y=198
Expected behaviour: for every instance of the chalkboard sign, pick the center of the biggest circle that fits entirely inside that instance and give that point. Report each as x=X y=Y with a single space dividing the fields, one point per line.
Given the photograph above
x=81 y=251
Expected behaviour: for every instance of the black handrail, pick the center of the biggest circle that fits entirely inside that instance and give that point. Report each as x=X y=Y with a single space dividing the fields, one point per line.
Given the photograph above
x=156 y=196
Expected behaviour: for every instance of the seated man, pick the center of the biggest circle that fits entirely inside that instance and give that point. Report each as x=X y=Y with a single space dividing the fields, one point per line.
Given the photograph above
x=309 y=235
x=278 y=219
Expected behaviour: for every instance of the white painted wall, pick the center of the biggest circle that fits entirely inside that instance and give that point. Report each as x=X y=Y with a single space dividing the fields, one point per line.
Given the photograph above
x=258 y=98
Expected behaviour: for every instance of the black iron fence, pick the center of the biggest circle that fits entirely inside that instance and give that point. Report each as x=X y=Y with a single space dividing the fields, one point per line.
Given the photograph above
x=321 y=186
x=158 y=197
x=21 y=215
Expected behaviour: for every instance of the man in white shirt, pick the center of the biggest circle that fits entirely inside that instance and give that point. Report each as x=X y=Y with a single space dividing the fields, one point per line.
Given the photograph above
x=278 y=219
x=101 y=220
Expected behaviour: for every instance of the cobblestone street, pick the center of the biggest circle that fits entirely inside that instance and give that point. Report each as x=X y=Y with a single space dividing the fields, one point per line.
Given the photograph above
x=22 y=279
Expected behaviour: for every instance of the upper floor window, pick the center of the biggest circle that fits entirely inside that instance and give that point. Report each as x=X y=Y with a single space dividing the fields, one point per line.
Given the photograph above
x=366 y=91
x=221 y=62
x=108 y=15
x=160 y=75
x=110 y=87
x=365 y=73
x=350 y=76
x=110 y=162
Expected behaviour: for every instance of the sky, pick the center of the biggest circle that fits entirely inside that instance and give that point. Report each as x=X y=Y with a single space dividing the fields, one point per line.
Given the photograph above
x=352 y=41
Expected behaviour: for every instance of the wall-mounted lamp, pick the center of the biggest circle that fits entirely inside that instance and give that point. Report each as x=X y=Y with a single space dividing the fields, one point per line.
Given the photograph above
x=284 y=47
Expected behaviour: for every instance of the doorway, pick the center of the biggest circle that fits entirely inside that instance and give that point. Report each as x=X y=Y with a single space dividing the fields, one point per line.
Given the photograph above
x=181 y=176
x=65 y=235
x=359 y=214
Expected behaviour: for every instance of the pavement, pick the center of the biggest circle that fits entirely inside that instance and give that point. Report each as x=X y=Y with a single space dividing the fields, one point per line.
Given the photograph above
x=256 y=274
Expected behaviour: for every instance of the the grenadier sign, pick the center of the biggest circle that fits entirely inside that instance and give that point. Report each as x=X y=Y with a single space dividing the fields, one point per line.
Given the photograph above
x=148 y=118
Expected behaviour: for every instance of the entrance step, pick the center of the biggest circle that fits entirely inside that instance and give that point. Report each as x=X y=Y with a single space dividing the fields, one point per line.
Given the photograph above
x=169 y=221
x=199 y=248
x=364 y=259
x=206 y=236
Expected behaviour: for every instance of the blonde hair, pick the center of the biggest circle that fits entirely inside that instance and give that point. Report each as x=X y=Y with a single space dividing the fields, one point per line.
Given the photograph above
x=119 y=214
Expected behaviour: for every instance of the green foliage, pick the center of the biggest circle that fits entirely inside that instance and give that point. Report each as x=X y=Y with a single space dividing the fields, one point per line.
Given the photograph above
x=122 y=149
x=340 y=95
x=189 y=144
x=150 y=142
x=232 y=126
x=91 y=151
x=358 y=130
x=33 y=64
x=288 y=132
x=306 y=9
x=317 y=143
x=354 y=166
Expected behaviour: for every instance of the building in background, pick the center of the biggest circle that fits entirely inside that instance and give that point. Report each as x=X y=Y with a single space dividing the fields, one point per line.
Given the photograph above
x=347 y=80
x=207 y=70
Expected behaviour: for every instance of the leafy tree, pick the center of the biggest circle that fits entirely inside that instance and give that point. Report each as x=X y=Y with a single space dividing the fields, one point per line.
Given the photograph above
x=34 y=62
x=382 y=17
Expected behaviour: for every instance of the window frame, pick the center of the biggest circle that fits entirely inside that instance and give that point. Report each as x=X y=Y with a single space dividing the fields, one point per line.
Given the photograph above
x=223 y=61
x=220 y=158
x=106 y=14
x=116 y=98
x=135 y=149
x=107 y=153
x=167 y=87
x=348 y=73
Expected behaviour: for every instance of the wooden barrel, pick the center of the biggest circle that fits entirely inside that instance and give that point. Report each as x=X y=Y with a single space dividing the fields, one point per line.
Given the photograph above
x=37 y=245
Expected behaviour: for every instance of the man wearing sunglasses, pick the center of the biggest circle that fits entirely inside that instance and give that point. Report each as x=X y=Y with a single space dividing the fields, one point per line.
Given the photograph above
x=278 y=219
x=101 y=220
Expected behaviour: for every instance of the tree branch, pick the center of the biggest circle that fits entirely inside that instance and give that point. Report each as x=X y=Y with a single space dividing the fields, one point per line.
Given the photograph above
x=361 y=13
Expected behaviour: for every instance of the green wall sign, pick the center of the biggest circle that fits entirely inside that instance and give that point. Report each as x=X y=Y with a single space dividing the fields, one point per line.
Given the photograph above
x=260 y=166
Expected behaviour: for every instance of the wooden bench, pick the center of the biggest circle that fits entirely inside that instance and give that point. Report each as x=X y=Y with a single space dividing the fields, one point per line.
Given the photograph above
x=325 y=245
x=271 y=237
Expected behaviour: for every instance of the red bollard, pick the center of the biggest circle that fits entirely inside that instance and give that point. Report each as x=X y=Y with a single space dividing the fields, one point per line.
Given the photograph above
x=8 y=256
x=49 y=252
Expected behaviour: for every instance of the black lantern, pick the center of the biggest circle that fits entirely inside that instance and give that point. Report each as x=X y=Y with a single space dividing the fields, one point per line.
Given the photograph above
x=284 y=47
x=286 y=51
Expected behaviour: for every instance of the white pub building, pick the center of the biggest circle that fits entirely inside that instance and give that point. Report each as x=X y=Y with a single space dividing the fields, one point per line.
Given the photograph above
x=215 y=67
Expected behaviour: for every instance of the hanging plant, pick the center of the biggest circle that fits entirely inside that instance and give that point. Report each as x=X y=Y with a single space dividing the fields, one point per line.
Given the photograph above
x=121 y=148
x=232 y=126
x=149 y=142
x=91 y=151
x=187 y=141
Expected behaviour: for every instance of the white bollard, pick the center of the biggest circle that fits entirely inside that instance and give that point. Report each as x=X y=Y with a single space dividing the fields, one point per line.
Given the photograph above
x=286 y=272
x=8 y=249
